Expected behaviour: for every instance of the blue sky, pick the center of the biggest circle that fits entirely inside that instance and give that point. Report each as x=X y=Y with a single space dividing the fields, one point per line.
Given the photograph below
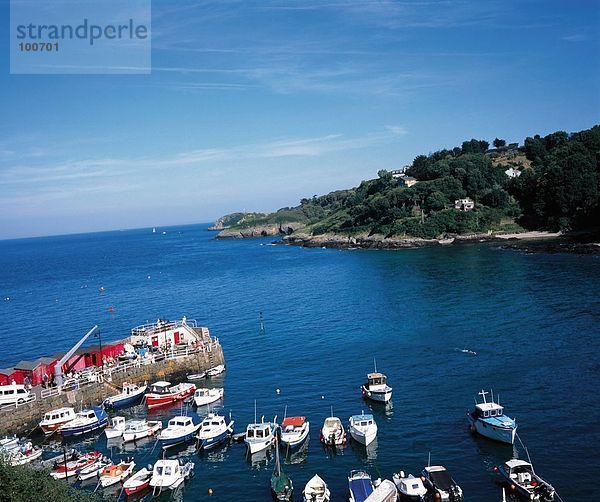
x=254 y=104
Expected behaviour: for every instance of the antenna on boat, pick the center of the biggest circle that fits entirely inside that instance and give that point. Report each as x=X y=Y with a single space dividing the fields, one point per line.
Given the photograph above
x=331 y=410
x=255 y=411
x=285 y=412
x=429 y=459
x=483 y=394
x=375 y=364
x=492 y=394
x=498 y=399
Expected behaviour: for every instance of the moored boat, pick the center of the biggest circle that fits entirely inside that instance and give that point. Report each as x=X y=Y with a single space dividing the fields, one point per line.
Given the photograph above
x=116 y=473
x=409 y=488
x=85 y=421
x=260 y=436
x=140 y=429
x=214 y=430
x=170 y=474
x=180 y=429
x=359 y=485
x=521 y=478
x=488 y=419
x=202 y=397
x=24 y=454
x=197 y=376
x=94 y=470
x=215 y=370
x=162 y=393
x=73 y=466
x=116 y=429
x=282 y=487
x=316 y=490
x=138 y=482
x=439 y=482
x=332 y=432
x=376 y=388
x=294 y=431
x=129 y=395
x=385 y=491
x=363 y=428
x=54 y=419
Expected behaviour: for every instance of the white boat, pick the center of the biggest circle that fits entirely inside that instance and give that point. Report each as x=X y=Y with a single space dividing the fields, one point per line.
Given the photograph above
x=260 y=436
x=25 y=454
x=376 y=388
x=170 y=474
x=521 y=477
x=215 y=370
x=438 y=480
x=138 y=482
x=180 y=429
x=118 y=425
x=316 y=490
x=8 y=443
x=197 y=376
x=94 y=470
x=203 y=397
x=294 y=431
x=332 y=432
x=54 y=419
x=488 y=419
x=214 y=430
x=363 y=428
x=84 y=422
x=75 y=464
x=360 y=486
x=130 y=394
x=409 y=487
x=140 y=429
x=385 y=491
x=116 y=473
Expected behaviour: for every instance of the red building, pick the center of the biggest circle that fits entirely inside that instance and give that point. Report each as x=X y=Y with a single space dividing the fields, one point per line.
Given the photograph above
x=6 y=376
x=35 y=370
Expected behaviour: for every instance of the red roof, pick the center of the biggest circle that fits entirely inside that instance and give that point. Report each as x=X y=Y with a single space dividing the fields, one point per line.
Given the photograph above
x=293 y=421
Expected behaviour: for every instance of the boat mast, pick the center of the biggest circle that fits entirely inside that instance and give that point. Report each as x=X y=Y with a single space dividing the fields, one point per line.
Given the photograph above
x=375 y=364
x=483 y=394
x=255 y=411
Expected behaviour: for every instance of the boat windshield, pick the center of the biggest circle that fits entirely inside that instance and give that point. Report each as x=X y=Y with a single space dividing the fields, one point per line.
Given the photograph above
x=442 y=480
x=250 y=433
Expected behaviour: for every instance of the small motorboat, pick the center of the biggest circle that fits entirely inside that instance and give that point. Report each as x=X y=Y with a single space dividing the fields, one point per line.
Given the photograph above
x=138 y=482
x=180 y=429
x=24 y=454
x=282 y=487
x=385 y=491
x=169 y=474
x=410 y=488
x=215 y=370
x=203 y=397
x=376 y=388
x=73 y=466
x=521 y=477
x=214 y=430
x=316 y=490
x=363 y=428
x=116 y=473
x=118 y=425
x=332 y=432
x=84 y=422
x=439 y=481
x=94 y=470
x=129 y=395
x=162 y=393
x=260 y=436
x=294 y=431
x=197 y=376
x=54 y=419
x=140 y=429
x=360 y=486
x=488 y=419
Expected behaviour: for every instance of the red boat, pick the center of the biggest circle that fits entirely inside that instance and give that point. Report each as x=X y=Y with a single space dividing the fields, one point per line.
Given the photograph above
x=138 y=482
x=162 y=393
x=72 y=467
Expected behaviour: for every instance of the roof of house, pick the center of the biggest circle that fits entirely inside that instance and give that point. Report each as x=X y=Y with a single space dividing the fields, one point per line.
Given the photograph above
x=7 y=371
x=28 y=365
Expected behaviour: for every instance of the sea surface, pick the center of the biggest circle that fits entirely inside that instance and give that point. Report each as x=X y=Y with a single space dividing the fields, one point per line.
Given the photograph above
x=533 y=321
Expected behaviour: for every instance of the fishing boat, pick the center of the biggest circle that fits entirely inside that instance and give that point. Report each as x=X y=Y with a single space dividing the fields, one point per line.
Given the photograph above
x=316 y=490
x=116 y=473
x=439 y=481
x=162 y=393
x=214 y=430
x=202 y=397
x=138 y=482
x=376 y=389
x=170 y=474
x=332 y=432
x=140 y=429
x=180 y=429
x=282 y=487
x=522 y=479
x=116 y=429
x=73 y=466
x=260 y=436
x=84 y=422
x=385 y=491
x=360 y=486
x=294 y=431
x=129 y=395
x=54 y=419
x=215 y=370
x=94 y=470
x=488 y=419
x=410 y=488
x=24 y=454
x=363 y=428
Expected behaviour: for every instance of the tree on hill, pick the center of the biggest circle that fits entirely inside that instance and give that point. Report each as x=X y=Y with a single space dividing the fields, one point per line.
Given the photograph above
x=498 y=143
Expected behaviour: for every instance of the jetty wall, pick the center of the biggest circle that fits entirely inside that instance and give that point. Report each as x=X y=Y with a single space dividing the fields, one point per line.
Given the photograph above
x=25 y=418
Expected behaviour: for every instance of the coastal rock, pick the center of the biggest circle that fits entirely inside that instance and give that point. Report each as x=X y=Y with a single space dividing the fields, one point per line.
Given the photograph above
x=364 y=241
x=269 y=230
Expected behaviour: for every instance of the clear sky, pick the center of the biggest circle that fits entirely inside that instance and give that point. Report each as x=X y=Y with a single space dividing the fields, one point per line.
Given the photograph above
x=254 y=104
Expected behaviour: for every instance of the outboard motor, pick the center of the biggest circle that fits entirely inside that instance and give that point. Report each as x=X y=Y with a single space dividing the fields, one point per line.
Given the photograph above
x=455 y=494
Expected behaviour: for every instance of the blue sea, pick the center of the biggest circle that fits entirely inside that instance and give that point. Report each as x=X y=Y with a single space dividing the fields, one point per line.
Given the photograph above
x=533 y=320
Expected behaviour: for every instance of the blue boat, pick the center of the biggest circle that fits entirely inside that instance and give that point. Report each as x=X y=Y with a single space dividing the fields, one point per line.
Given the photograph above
x=84 y=422
x=360 y=486
x=488 y=419
x=214 y=430
x=130 y=395
x=181 y=429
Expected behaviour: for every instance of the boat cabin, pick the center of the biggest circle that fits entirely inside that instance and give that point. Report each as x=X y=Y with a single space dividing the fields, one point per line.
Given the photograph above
x=258 y=431
x=118 y=422
x=181 y=422
x=376 y=379
x=212 y=421
x=166 y=468
x=160 y=388
x=59 y=415
x=362 y=420
x=289 y=424
x=89 y=414
x=488 y=410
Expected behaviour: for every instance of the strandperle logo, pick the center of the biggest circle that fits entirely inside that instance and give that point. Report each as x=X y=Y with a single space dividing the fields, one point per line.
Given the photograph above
x=80 y=36
x=83 y=31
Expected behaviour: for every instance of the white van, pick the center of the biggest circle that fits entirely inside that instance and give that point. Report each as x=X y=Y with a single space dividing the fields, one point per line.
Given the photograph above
x=11 y=394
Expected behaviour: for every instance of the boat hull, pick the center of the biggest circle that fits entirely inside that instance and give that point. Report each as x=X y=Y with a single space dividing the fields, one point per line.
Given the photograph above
x=173 y=441
x=364 y=438
x=154 y=401
x=130 y=437
x=212 y=442
x=500 y=434
x=49 y=429
x=68 y=432
x=124 y=402
x=379 y=396
x=294 y=442
x=256 y=446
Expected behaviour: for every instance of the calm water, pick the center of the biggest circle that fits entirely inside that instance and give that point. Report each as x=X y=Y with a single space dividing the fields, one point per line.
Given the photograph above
x=533 y=320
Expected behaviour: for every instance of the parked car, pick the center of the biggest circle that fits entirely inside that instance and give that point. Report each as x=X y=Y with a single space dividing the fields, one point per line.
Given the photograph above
x=14 y=393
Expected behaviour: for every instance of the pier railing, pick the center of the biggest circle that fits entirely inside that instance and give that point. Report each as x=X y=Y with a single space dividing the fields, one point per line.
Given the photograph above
x=105 y=375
